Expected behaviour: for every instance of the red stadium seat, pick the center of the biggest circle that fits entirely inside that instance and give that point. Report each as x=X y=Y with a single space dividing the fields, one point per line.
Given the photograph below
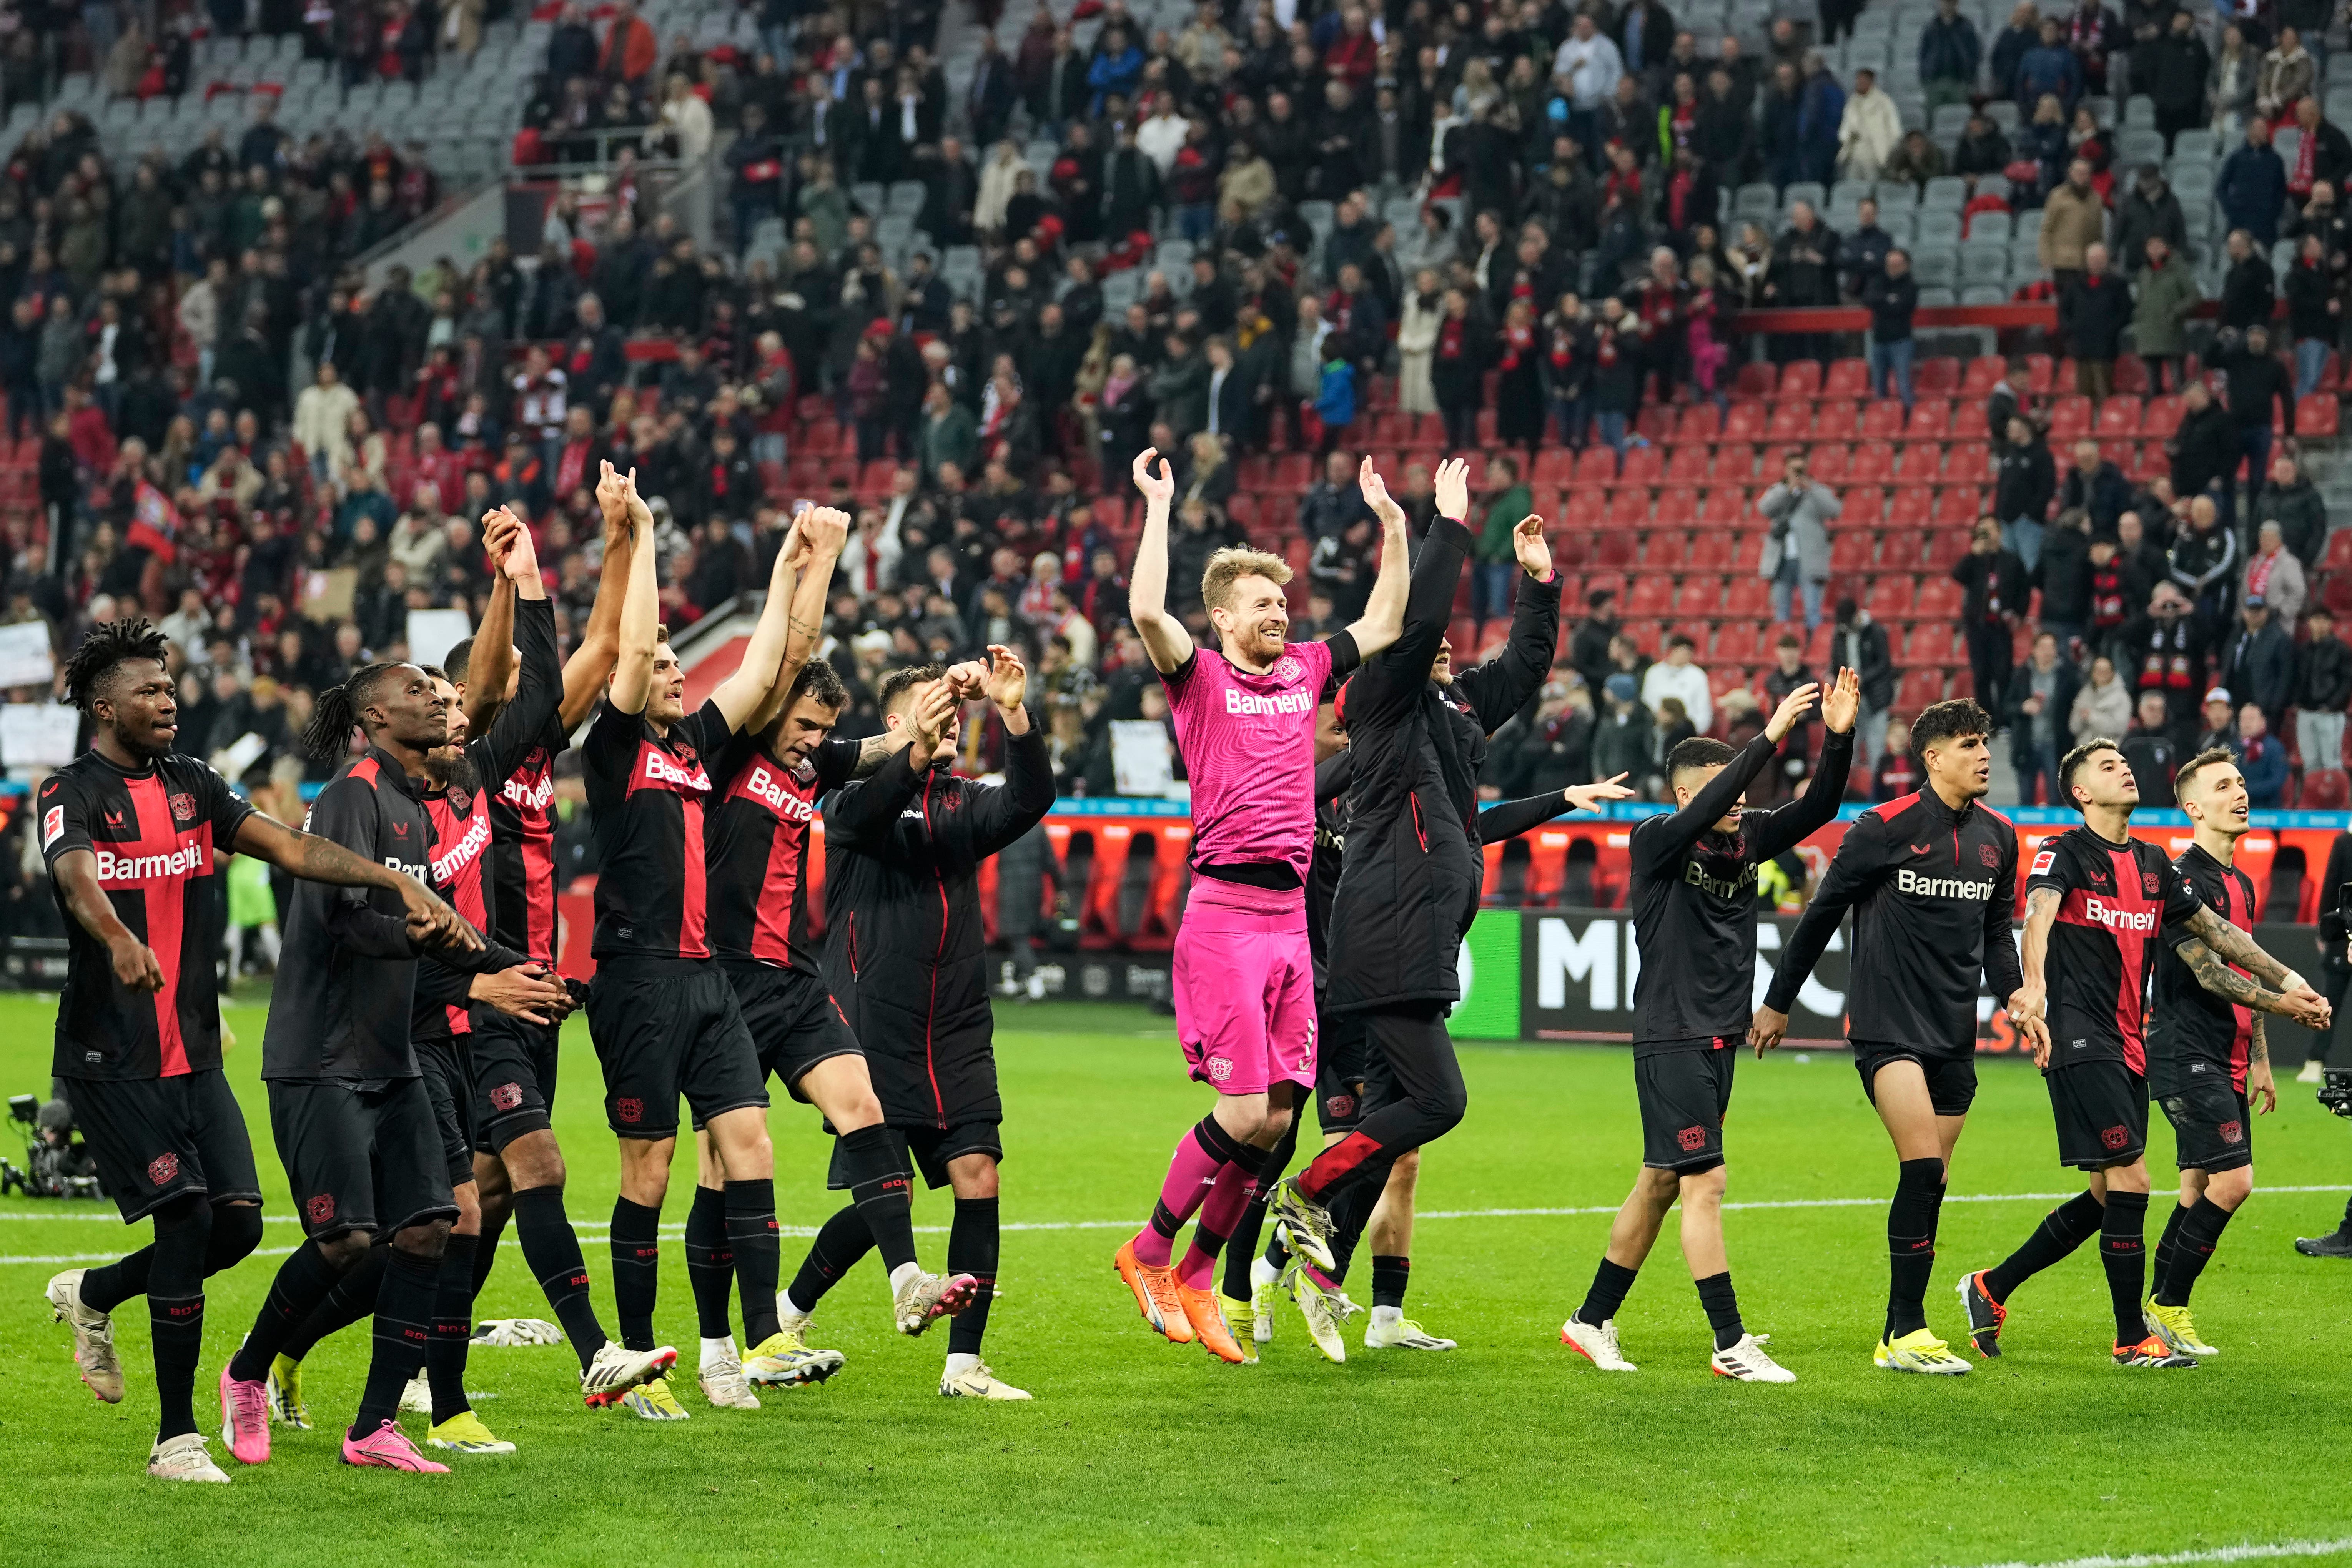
x=1555 y=465
x=1968 y=422
x=2316 y=416
x=1919 y=689
x=1874 y=464
x=1864 y=506
x=1739 y=642
x=2325 y=789
x=1931 y=420
x=1848 y=378
x=1790 y=421
x=1723 y=507
x=1616 y=548
x=1984 y=371
x=1596 y=466
x=2039 y=373
x=1735 y=462
x=1968 y=462
x=1677 y=508
x=2070 y=418
x=2160 y=417
x=1654 y=424
x=1643 y=466
x=2131 y=374
x=1912 y=508
x=1701 y=598
x=1758 y=379
x=1899 y=549
x=1700 y=422
x=1710 y=551
x=1652 y=597
x=1938 y=376
x=1688 y=465
x=1852 y=550
x=1940 y=599
x=1837 y=419
x=1830 y=462
x=1294 y=472
x=1803 y=379
x=821 y=438
x=1748 y=599
x=2120 y=416
x=1890 y=599
x=1746 y=423
x=2339 y=552
x=1584 y=508
x=1748 y=552
x=1665 y=550
x=1882 y=421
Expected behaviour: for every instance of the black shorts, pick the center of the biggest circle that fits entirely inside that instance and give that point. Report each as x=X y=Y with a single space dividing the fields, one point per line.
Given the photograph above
x=931 y=1149
x=1683 y=1094
x=157 y=1139
x=2211 y=1125
x=514 y=1077
x=1341 y=1069
x=449 y=1079
x=669 y=1029
x=794 y=1023
x=360 y=1159
x=1951 y=1080
x=2102 y=1110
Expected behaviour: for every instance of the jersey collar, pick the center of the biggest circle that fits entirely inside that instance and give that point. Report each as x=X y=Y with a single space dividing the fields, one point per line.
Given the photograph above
x=390 y=771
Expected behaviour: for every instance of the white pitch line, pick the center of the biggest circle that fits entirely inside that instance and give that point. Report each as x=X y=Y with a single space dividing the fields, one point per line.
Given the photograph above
x=2248 y=1553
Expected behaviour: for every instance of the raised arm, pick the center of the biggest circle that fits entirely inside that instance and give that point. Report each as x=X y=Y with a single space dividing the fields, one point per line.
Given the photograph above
x=1509 y=818
x=493 y=662
x=632 y=658
x=1165 y=637
x=1403 y=668
x=1785 y=827
x=1501 y=687
x=999 y=815
x=590 y=664
x=1383 y=618
x=1661 y=845
x=805 y=617
x=741 y=695
x=864 y=812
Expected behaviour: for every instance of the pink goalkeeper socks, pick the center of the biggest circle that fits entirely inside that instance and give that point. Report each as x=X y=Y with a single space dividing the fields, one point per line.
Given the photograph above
x=1201 y=1155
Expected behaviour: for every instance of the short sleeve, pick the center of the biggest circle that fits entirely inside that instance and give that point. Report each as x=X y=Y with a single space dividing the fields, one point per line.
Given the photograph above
x=1179 y=677
x=2052 y=869
x=224 y=807
x=2181 y=903
x=836 y=764
x=64 y=819
x=710 y=731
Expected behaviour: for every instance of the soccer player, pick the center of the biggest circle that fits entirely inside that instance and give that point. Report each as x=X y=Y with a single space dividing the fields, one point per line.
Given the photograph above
x=1931 y=878
x=1245 y=716
x=1410 y=880
x=132 y=831
x=446 y=1008
x=2097 y=904
x=906 y=957
x=353 y=1119
x=1693 y=904
x=663 y=1017
x=518 y=1165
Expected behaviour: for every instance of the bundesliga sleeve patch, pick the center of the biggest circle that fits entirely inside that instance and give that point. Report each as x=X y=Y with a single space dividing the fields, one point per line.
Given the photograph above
x=53 y=826
x=2043 y=862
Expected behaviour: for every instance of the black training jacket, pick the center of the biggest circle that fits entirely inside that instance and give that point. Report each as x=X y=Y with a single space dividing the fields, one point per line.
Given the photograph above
x=348 y=971
x=1408 y=883
x=1932 y=891
x=904 y=952
x=1694 y=896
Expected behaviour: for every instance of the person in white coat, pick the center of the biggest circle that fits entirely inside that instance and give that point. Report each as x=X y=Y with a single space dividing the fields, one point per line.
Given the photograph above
x=1424 y=309
x=1869 y=131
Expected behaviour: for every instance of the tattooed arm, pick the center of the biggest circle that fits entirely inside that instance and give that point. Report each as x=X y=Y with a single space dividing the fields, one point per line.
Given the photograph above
x=2261 y=1090
x=876 y=750
x=2216 y=976
x=2229 y=945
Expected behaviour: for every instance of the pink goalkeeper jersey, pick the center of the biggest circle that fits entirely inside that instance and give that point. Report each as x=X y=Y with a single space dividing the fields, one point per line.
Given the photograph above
x=1248 y=742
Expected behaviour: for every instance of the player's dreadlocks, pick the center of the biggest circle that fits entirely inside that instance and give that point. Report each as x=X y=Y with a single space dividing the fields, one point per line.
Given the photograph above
x=328 y=735
x=115 y=643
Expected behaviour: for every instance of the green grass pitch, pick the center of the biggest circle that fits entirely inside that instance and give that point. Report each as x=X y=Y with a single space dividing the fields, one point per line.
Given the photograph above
x=1510 y=1449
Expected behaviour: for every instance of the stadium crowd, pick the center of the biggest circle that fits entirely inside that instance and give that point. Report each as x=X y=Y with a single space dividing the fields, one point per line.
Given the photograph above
x=219 y=422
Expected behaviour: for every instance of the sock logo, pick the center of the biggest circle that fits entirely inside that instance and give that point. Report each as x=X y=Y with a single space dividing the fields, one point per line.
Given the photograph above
x=2232 y=1132
x=320 y=1209
x=2115 y=1137
x=506 y=1096
x=1692 y=1138
x=629 y=1109
x=166 y=1165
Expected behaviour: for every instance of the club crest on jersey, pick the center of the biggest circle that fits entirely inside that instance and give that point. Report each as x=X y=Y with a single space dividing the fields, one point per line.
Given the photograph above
x=1287 y=668
x=629 y=1109
x=166 y=1165
x=2233 y=1133
x=320 y=1209
x=1989 y=855
x=461 y=800
x=1692 y=1138
x=183 y=808
x=2115 y=1137
x=2043 y=862
x=2147 y=883
x=506 y=1096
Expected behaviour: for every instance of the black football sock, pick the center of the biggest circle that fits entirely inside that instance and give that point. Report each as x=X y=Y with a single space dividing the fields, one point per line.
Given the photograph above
x=2201 y=1233
x=453 y=1326
x=1610 y=1283
x=550 y=1247
x=884 y=1192
x=2061 y=1230
x=1351 y=1211
x=2123 y=1251
x=2164 y=1247
x=486 y=1252
x=1241 y=1247
x=175 y=1312
x=107 y=1287
x=301 y=1282
x=404 y=1329
x=752 y=1235
x=972 y=1250
x=710 y=1262
x=1911 y=1245
x=351 y=1299
x=840 y=1242
x=236 y=1231
x=1391 y=1274
x=1722 y=1306
x=636 y=1270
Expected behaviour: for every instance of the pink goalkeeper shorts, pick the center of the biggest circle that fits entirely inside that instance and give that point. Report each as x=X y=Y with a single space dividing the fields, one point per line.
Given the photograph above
x=1246 y=988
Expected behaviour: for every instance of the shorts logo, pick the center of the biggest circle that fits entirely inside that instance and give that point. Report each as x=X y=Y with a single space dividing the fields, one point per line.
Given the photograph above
x=163 y=1167
x=2115 y=1137
x=1692 y=1138
x=1989 y=855
x=1219 y=1069
x=2233 y=1133
x=2147 y=883
x=320 y=1209
x=1340 y=1105
x=629 y=1109
x=507 y=1096
x=183 y=808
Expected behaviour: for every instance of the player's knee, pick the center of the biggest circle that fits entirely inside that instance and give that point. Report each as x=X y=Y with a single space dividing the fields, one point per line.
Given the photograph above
x=2230 y=1188
x=429 y=1240
x=1278 y=1120
x=1407 y=1169
x=236 y=1231
x=1445 y=1108
x=1702 y=1186
x=973 y=1176
x=863 y=1110
x=342 y=1253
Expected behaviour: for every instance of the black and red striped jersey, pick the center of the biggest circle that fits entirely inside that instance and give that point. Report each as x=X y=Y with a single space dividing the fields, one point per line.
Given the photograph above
x=516 y=762
x=758 y=850
x=461 y=842
x=649 y=793
x=158 y=836
x=2118 y=903
x=2194 y=1031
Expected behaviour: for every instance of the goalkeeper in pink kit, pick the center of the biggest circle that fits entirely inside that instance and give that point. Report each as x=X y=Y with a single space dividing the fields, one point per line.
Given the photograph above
x=1244 y=978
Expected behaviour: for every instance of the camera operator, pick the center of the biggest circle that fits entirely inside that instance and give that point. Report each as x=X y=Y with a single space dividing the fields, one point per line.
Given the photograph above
x=2335 y=1083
